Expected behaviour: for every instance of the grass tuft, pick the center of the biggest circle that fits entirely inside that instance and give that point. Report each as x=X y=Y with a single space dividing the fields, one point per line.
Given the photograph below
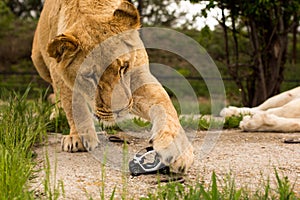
x=21 y=127
x=229 y=191
x=58 y=124
x=284 y=188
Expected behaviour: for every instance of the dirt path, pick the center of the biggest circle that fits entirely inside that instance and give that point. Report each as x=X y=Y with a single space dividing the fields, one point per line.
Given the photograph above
x=249 y=157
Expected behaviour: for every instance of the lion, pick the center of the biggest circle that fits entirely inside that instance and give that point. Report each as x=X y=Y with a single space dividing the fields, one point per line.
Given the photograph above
x=280 y=113
x=113 y=84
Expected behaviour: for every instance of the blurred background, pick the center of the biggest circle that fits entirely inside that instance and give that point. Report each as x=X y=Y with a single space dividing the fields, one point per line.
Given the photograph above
x=255 y=44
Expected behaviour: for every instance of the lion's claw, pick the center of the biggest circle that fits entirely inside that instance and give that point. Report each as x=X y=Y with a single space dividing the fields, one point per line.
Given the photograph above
x=177 y=152
x=71 y=143
x=75 y=143
x=90 y=142
x=184 y=161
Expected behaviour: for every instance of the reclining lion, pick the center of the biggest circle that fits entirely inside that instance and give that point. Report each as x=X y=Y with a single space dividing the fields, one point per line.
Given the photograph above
x=280 y=113
x=62 y=53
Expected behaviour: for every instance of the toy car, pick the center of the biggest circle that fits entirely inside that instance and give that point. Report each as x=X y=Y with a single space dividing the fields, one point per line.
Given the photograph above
x=146 y=161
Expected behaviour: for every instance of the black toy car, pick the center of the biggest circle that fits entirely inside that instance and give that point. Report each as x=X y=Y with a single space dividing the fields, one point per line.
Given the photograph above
x=146 y=161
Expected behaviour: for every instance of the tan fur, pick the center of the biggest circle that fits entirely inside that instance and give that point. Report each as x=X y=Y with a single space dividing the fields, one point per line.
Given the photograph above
x=280 y=113
x=66 y=35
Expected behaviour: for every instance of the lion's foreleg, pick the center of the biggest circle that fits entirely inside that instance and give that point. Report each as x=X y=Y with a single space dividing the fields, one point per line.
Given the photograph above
x=84 y=123
x=82 y=132
x=153 y=103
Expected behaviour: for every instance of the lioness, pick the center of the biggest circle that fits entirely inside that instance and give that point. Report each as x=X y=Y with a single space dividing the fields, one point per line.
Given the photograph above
x=280 y=113
x=66 y=34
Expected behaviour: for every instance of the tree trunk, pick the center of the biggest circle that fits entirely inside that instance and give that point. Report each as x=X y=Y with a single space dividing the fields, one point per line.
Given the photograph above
x=257 y=84
x=232 y=69
x=140 y=7
x=295 y=31
x=269 y=61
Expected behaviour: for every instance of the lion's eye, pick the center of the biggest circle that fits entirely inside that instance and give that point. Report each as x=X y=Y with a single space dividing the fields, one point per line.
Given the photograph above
x=124 y=68
x=91 y=76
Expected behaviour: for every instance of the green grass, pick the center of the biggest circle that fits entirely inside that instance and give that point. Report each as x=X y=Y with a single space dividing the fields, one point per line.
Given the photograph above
x=136 y=124
x=24 y=123
x=21 y=127
x=210 y=123
x=59 y=124
x=223 y=190
x=53 y=189
x=232 y=122
x=187 y=122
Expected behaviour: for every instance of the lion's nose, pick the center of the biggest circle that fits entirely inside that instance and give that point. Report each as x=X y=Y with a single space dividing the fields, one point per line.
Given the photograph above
x=125 y=109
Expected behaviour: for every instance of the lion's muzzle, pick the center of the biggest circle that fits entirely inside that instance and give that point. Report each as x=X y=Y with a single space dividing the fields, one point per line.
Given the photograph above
x=108 y=115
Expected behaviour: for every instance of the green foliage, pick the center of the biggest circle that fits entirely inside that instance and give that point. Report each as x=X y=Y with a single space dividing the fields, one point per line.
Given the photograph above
x=187 y=122
x=178 y=191
x=15 y=51
x=230 y=190
x=52 y=190
x=201 y=123
x=24 y=122
x=209 y=123
x=25 y=8
x=135 y=124
x=21 y=126
x=6 y=17
x=141 y=123
x=206 y=123
x=184 y=72
x=284 y=188
x=219 y=190
x=58 y=124
x=232 y=121
x=249 y=41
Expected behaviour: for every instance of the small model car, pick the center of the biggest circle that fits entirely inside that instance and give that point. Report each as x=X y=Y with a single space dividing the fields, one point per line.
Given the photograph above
x=146 y=161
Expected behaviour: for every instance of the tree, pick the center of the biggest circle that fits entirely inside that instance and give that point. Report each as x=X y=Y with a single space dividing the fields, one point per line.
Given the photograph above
x=159 y=12
x=16 y=40
x=294 y=43
x=266 y=24
x=6 y=18
x=25 y=8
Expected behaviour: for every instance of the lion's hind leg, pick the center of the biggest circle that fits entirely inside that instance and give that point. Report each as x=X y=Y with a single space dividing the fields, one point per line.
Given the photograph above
x=288 y=110
x=270 y=123
x=274 y=102
x=280 y=99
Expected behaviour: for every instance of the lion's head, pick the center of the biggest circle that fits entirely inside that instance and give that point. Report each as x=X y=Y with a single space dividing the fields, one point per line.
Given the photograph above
x=100 y=54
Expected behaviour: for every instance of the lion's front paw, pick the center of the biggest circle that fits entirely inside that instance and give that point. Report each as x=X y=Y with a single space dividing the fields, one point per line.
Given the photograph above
x=230 y=111
x=75 y=143
x=235 y=111
x=72 y=143
x=176 y=152
x=89 y=141
x=184 y=161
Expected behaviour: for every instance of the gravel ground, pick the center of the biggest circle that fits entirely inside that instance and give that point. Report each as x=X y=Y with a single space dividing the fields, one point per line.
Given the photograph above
x=249 y=157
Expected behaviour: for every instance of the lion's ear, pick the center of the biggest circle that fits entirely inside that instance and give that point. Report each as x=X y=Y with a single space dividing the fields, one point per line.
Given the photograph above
x=127 y=14
x=63 y=46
